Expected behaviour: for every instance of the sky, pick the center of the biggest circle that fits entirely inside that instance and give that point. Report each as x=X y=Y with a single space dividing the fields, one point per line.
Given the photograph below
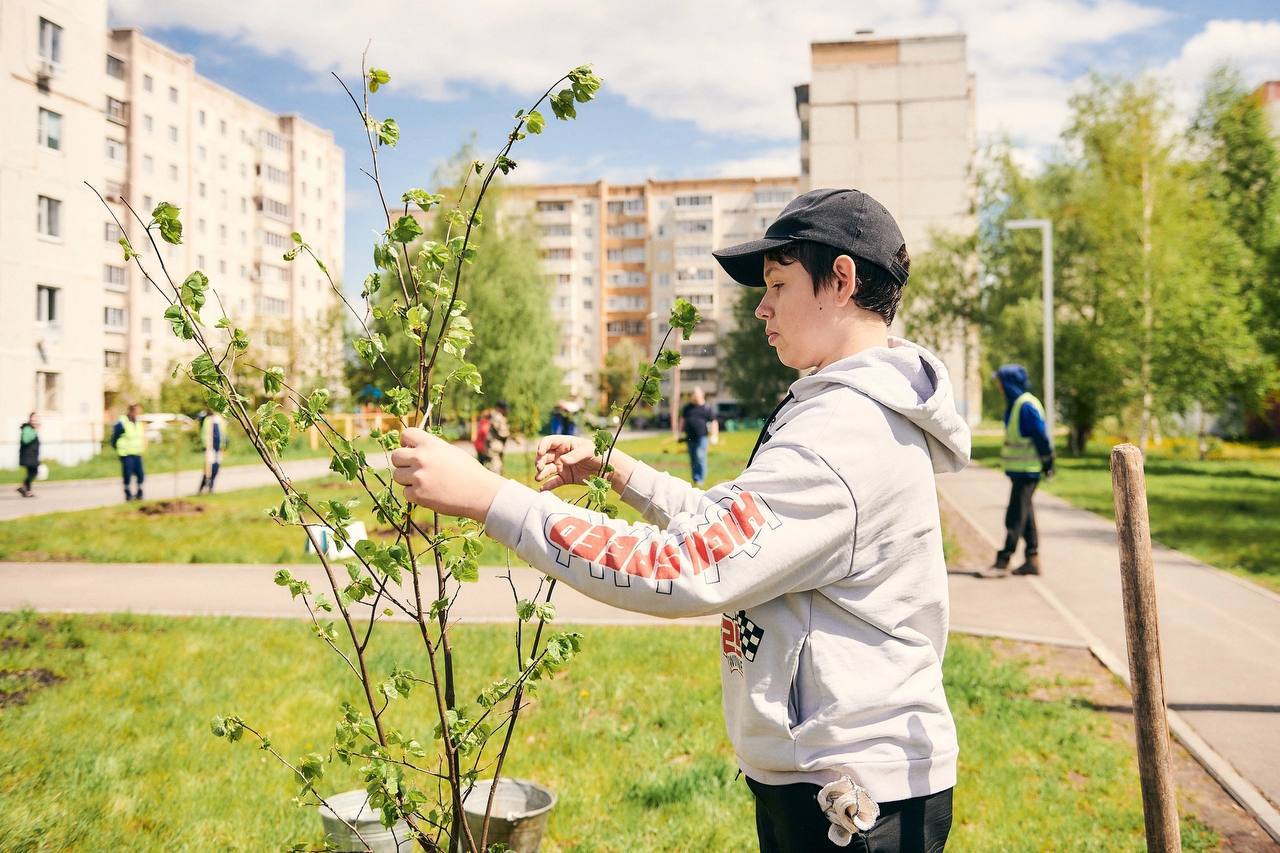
x=692 y=88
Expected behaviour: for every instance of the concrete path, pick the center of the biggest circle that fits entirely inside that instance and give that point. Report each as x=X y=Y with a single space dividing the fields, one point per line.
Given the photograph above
x=64 y=495
x=1220 y=635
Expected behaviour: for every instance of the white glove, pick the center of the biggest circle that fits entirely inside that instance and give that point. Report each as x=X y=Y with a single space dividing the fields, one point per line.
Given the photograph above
x=850 y=809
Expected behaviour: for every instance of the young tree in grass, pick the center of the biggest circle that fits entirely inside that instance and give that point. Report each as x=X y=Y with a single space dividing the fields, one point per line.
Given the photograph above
x=751 y=368
x=620 y=367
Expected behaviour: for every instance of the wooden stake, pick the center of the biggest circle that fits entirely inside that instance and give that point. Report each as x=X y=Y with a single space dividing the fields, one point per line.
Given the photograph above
x=1142 y=630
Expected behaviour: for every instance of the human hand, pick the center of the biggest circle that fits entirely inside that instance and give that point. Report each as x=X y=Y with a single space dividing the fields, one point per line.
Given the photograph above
x=1046 y=467
x=439 y=476
x=566 y=460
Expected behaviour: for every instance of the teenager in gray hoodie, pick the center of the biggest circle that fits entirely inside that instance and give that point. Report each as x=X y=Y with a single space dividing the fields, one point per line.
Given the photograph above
x=824 y=556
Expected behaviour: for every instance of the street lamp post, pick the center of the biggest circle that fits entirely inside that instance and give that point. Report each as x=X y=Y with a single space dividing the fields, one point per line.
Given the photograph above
x=1046 y=268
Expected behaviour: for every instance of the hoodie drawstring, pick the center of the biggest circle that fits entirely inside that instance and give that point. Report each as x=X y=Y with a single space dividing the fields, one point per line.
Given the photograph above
x=764 y=430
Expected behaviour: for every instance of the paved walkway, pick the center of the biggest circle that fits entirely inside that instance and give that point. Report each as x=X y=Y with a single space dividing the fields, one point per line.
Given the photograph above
x=1220 y=635
x=64 y=495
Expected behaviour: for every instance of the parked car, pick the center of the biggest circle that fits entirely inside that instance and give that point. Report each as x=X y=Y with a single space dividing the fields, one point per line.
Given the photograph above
x=156 y=424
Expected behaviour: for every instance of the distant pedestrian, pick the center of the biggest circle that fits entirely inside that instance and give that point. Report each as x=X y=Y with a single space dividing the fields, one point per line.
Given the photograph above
x=699 y=425
x=129 y=438
x=213 y=435
x=492 y=432
x=1027 y=455
x=29 y=453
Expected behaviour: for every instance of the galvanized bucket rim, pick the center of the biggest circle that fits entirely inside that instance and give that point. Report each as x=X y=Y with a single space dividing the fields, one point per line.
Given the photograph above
x=485 y=784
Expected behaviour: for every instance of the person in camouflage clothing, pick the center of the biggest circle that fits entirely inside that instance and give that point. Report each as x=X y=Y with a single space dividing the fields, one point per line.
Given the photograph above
x=492 y=435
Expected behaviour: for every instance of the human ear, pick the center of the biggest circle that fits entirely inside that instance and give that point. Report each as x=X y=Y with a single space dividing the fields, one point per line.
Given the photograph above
x=846 y=273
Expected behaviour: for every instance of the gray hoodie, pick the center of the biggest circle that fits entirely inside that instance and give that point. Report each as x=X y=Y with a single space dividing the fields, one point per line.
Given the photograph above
x=825 y=559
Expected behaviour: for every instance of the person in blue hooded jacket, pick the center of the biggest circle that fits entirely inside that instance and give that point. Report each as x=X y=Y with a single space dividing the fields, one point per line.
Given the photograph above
x=1026 y=456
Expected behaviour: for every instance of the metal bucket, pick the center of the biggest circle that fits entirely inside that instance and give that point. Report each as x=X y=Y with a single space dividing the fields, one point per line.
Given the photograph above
x=353 y=807
x=520 y=811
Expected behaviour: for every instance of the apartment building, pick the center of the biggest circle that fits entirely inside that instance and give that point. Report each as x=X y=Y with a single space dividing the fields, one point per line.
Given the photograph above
x=618 y=255
x=135 y=120
x=894 y=117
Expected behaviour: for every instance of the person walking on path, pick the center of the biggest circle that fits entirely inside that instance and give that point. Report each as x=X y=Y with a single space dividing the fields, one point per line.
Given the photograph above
x=213 y=434
x=824 y=557
x=1026 y=456
x=29 y=453
x=492 y=433
x=699 y=425
x=129 y=438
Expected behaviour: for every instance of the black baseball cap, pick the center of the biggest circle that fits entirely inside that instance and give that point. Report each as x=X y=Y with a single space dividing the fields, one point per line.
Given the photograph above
x=848 y=220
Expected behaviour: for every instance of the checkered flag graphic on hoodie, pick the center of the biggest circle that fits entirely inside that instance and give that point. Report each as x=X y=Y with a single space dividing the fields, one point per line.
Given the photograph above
x=750 y=633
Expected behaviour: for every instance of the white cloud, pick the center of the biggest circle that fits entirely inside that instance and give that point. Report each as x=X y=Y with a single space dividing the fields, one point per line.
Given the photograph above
x=776 y=162
x=1253 y=47
x=727 y=66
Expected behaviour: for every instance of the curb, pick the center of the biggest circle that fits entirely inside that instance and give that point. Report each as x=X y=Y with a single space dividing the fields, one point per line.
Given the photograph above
x=1241 y=790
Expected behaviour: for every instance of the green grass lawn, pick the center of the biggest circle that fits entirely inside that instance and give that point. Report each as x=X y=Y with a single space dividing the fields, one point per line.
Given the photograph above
x=177 y=453
x=1224 y=511
x=232 y=527
x=115 y=752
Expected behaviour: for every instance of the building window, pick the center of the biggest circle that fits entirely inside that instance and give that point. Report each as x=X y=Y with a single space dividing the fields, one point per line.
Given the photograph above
x=148 y=123
x=272 y=305
x=50 y=41
x=222 y=162
x=146 y=325
x=112 y=359
x=173 y=133
x=222 y=233
x=47 y=304
x=274 y=241
x=113 y=318
x=625 y=327
x=146 y=203
x=557 y=254
x=49 y=133
x=115 y=150
x=633 y=278
x=200 y=117
x=111 y=232
x=698 y=274
x=146 y=365
x=273 y=208
x=173 y=171
x=117 y=110
x=47 y=385
x=273 y=141
x=148 y=165
x=147 y=83
x=695 y=226
x=552 y=206
x=173 y=94
x=222 y=126
x=693 y=201
x=627 y=303
x=49 y=216
x=201 y=189
x=222 y=267
x=702 y=300
x=201 y=152
x=114 y=277
x=115 y=67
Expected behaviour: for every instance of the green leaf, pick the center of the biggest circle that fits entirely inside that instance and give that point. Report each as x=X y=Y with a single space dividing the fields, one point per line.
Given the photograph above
x=203 y=370
x=165 y=216
x=273 y=380
x=372 y=282
x=423 y=199
x=603 y=440
x=562 y=105
x=369 y=348
x=129 y=253
x=388 y=132
x=524 y=610
x=377 y=79
x=505 y=164
x=217 y=402
x=192 y=291
x=545 y=611
x=468 y=374
x=685 y=317
x=178 y=321
x=535 y=122
x=239 y=340
x=384 y=257
x=400 y=401
x=668 y=359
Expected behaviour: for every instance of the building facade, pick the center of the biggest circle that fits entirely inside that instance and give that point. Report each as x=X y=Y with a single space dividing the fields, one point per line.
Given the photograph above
x=83 y=333
x=618 y=255
x=895 y=118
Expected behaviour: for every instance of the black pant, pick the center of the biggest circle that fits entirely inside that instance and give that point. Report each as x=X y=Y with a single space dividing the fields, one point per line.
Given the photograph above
x=788 y=820
x=1020 y=518
x=31 y=476
x=131 y=467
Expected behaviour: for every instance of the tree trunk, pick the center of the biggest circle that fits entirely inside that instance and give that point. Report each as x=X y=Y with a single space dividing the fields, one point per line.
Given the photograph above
x=1078 y=439
x=1202 y=443
x=1148 y=297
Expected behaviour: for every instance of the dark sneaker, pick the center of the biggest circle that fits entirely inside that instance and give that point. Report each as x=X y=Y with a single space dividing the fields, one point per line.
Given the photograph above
x=1030 y=567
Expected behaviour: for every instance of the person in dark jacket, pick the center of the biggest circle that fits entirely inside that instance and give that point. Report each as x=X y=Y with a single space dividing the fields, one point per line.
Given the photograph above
x=1026 y=456
x=29 y=453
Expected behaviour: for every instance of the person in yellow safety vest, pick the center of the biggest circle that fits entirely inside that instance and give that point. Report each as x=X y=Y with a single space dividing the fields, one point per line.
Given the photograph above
x=1027 y=455
x=129 y=439
x=213 y=434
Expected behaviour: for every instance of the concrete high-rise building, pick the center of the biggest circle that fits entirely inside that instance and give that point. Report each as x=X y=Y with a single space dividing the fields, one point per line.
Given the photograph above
x=618 y=255
x=894 y=117
x=81 y=329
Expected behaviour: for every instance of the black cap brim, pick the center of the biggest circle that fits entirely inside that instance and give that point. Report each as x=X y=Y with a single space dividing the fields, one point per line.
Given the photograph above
x=745 y=262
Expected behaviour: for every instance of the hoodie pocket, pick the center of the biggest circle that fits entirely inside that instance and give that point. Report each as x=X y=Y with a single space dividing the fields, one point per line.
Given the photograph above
x=795 y=702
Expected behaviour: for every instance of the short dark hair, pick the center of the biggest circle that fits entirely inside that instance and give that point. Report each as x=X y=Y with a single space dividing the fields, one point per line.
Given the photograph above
x=877 y=291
